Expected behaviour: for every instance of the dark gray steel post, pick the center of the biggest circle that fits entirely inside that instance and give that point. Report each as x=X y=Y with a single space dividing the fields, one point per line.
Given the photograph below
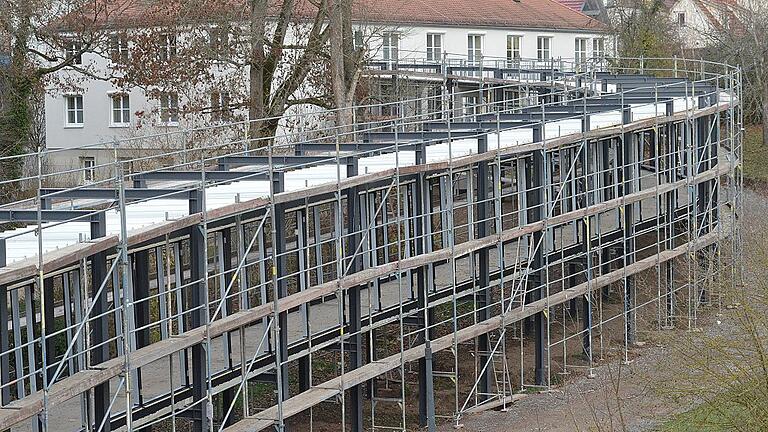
x=100 y=326
x=280 y=261
x=354 y=263
x=627 y=159
x=196 y=307
x=420 y=213
x=484 y=293
x=141 y=306
x=535 y=202
x=228 y=395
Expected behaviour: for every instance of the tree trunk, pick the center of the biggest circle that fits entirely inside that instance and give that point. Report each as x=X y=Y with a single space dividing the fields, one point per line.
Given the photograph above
x=344 y=65
x=257 y=97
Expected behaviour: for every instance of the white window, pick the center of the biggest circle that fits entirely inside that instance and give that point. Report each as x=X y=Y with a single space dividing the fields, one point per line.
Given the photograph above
x=74 y=51
x=513 y=49
x=475 y=49
x=169 y=109
x=118 y=48
x=681 y=19
x=88 y=169
x=167 y=46
x=74 y=117
x=543 y=47
x=220 y=106
x=598 y=48
x=391 y=46
x=580 y=50
x=434 y=47
x=121 y=110
x=470 y=105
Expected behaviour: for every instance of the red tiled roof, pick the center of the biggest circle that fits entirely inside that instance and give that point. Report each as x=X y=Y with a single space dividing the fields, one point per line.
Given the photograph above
x=544 y=14
x=541 y=14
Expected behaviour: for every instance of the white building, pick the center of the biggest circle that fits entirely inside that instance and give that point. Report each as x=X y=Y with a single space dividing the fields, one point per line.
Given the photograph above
x=431 y=30
x=700 y=21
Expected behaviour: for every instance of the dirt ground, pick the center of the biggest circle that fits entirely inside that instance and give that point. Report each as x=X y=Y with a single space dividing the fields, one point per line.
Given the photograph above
x=622 y=397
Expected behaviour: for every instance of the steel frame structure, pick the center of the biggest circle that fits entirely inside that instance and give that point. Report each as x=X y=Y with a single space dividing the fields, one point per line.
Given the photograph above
x=434 y=256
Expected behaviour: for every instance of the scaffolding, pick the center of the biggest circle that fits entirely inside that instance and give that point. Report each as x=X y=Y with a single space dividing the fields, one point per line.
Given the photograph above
x=416 y=269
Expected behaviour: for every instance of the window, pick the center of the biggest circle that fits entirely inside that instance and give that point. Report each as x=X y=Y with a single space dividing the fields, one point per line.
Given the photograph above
x=118 y=48
x=169 y=109
x=475 y=49
x=88 y=169
x=358 y=42
x=598 y=48
x=435 y=102
x=74 y=51
x=74 y=111
x=513 y=49
x=220 y=106
x=543 y=48
x=218 y=37
x=127 y=165
x=167 y=46
x=121 y=110
x=391 y=46
x=469 y=103
x=681 y=19
x=580 y=50
x=434 y=47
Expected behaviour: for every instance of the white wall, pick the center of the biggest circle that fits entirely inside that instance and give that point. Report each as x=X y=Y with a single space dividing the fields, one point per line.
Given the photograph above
x=413 y=43
x=98 y=103
x=697 y=27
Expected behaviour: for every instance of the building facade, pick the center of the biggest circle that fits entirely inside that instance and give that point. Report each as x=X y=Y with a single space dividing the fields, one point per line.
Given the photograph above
x=98 y=111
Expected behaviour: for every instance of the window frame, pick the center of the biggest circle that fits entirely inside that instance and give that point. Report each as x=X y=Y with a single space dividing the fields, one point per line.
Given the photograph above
x=123 y=109
x=598 y=48
x=72 y=48
x=74 y=110
x=168 y=110
x=168 y=46
x=118 y=48
x=541 y=49
x=580 y=56
x=387 y=47
x=473 y=52
x=87 y=166
x=514 y=54
x=220 y=106
x=434 y=51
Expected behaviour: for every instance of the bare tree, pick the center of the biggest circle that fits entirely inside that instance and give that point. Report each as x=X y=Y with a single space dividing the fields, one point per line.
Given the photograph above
x=740 y=38
x=43 y=37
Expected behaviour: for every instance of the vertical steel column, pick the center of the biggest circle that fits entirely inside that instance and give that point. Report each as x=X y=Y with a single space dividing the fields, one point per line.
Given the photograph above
x=280 y=271
x=196 y=287
x=354 y=263
x=228 y=396
x=535 y=211
x=140 y=284
x=626 y=165
x=421 y=221
x=302 y=242
x=484 y=293
x=100 y=328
